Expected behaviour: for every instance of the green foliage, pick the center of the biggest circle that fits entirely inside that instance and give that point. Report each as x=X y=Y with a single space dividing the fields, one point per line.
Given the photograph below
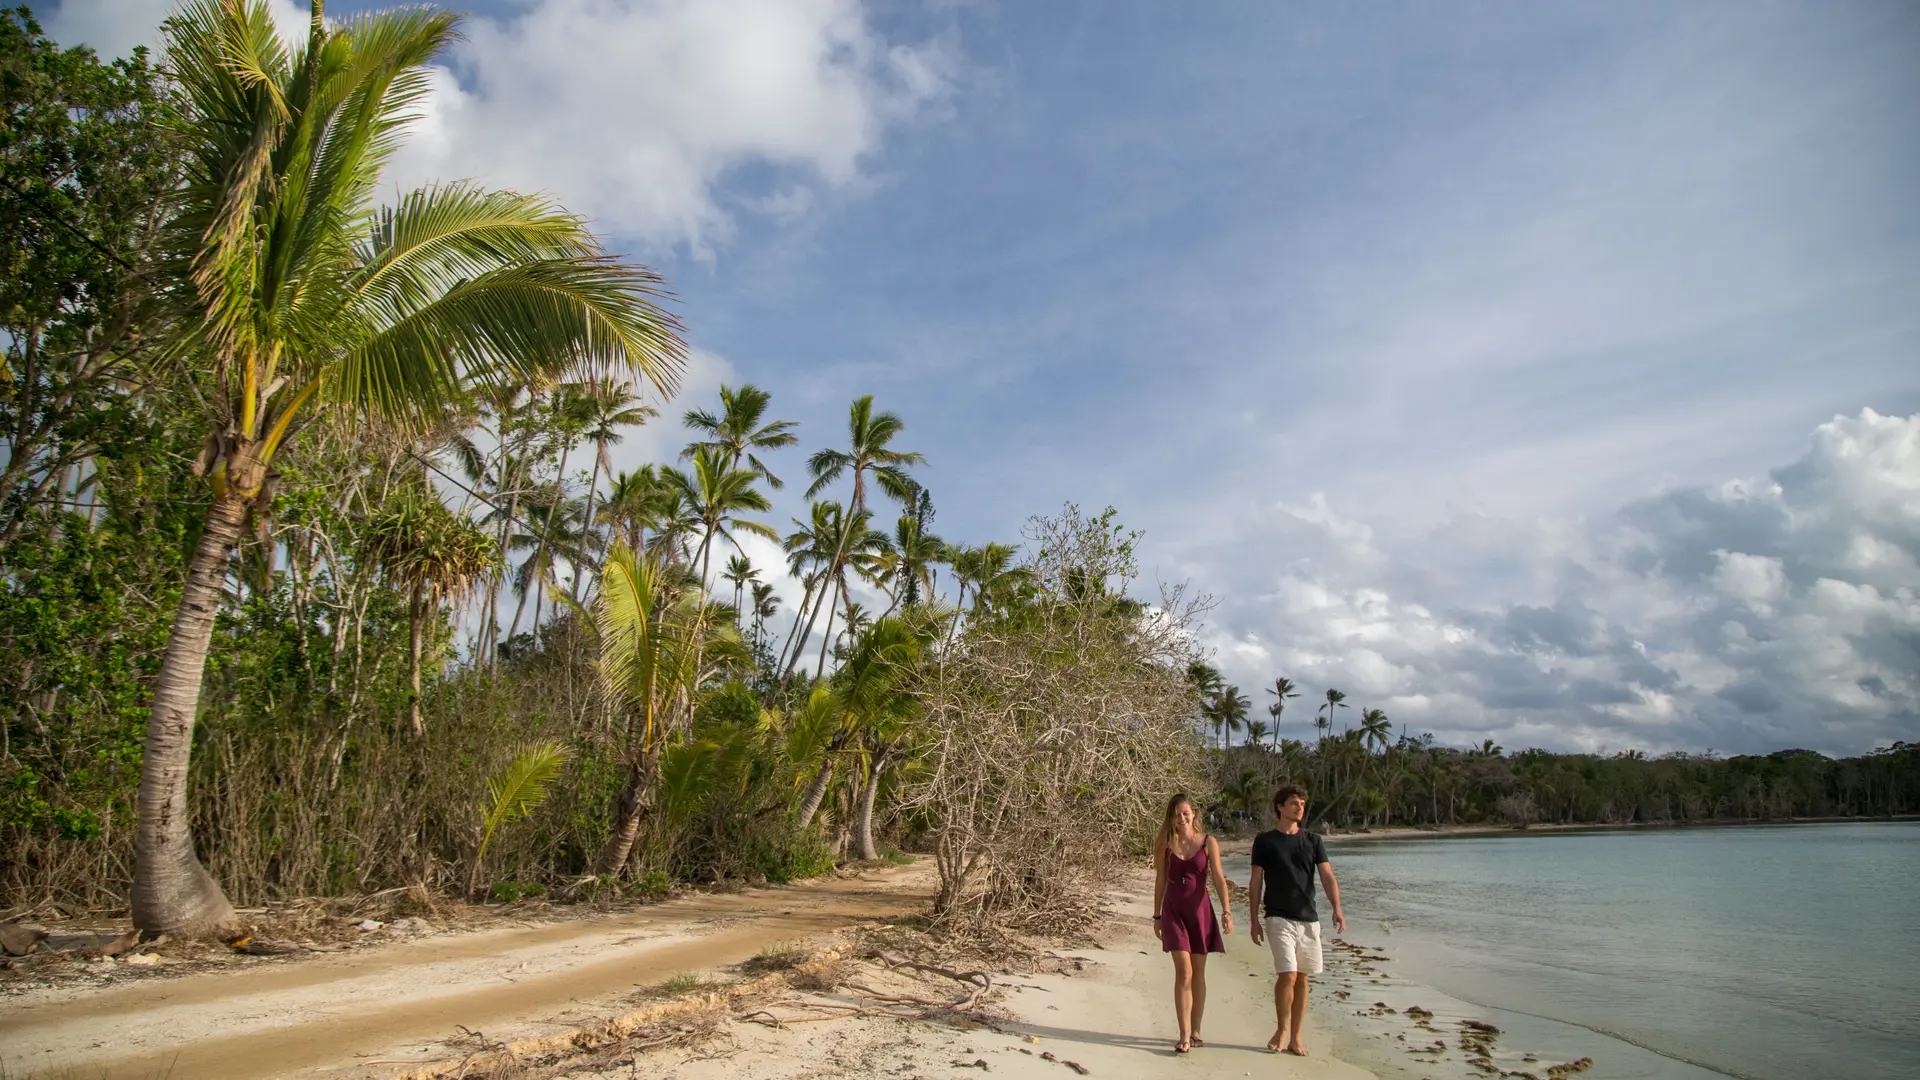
x=508 y=892
x=516 y=791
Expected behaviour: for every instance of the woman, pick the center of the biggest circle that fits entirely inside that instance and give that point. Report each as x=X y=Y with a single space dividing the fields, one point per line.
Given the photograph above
x=1184 y=860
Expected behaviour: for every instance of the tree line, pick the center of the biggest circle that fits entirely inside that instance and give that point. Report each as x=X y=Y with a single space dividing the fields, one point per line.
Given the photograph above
x=320 y=576
x=1365 y=774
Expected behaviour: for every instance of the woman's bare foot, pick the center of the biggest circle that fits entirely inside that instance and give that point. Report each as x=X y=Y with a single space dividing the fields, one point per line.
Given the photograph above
x=1197 y=1041
x=1297 y=1050
x=1279 y=1039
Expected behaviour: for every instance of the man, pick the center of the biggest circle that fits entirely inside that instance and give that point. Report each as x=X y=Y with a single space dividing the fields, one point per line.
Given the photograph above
x=1285 y=861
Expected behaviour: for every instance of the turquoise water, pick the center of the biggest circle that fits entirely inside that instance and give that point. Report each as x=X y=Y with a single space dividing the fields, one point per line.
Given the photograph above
x=1774 y=953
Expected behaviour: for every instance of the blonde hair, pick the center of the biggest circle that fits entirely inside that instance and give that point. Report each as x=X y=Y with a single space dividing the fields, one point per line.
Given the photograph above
x=1163 y=840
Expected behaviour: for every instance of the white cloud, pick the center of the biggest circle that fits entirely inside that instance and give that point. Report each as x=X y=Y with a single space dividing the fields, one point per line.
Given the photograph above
x=642 y=114
x=114 y=27
x=1738 y=617
x=636 y=111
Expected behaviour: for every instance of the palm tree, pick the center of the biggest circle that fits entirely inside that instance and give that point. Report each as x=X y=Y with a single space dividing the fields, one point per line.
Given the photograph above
x=872 y=684
x=737 y=432
x=434 y=555
x=304 y=299
x=717 y=495
x=1376 y=729
x=1256 y=733
x=1335 y=700
x=649 y=626
x=869 y=450
x=1282 y=691
x=1230 y=712
x=765 y=606
x=903 y=566
x=740 y=573
x=612 y=407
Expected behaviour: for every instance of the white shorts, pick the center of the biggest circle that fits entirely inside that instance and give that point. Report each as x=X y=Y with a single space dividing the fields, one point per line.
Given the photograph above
x=1295 y=945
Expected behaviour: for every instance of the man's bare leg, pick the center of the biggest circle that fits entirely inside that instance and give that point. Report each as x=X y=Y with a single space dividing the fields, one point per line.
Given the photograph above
x=1299 y=996
x=1198 y=992
x=1282 y=1005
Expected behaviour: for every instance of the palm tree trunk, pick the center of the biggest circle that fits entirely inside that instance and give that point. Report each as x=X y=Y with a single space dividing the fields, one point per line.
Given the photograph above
x=816 y=792
x=826 y=638
x=863 y=815
x=415 y=617
x=593 y=485
x=172 y=891
x=635 y=800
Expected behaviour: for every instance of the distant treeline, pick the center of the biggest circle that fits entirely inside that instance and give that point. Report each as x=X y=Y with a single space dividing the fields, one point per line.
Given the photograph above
x=1363 y=774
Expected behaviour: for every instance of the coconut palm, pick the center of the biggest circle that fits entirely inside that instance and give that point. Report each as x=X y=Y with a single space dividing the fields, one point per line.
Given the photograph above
x=740 y=573
x=645 y=624
x=306 y=301
x=1335 y=700
x=1376 y=729
x=870 y=449
x=1257 y=733
x=717 y=495
x=737 y=432
x=873 y=686
x=903 y=565
x=1230 y=712
x=612 y=407
x=1282 y=690
x=434 y=555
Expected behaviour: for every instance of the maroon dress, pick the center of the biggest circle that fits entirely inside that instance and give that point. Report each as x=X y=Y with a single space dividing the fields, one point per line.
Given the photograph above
x=1186 y=913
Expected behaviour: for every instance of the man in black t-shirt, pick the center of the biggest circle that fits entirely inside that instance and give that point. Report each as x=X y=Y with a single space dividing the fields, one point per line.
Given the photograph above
x=1285 y=862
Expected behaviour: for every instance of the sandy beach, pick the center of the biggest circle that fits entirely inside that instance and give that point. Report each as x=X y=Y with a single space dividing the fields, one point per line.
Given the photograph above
x=391 y=1010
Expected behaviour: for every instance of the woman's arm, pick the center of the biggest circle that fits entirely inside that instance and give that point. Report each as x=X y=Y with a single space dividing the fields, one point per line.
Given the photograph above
x=1220 y=882
x=1159 y=882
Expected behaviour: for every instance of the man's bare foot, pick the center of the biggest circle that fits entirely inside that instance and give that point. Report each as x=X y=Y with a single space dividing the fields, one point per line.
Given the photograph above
x=1297 y=1050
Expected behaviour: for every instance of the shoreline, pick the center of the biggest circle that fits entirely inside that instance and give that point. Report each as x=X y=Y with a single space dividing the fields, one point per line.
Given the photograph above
x=1446 y=832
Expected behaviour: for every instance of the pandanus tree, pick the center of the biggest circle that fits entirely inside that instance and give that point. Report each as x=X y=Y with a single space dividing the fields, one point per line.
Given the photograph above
x=434 y=555
x=308 y=302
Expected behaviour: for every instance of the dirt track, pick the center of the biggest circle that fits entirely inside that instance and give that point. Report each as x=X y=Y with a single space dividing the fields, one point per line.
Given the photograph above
x=362 y=1014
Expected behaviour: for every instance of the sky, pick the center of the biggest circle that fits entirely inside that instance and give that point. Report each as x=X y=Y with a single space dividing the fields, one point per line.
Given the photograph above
x=1547 y=373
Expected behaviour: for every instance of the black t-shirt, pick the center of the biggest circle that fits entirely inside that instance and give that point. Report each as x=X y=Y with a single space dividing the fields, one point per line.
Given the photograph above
x=1290 y=862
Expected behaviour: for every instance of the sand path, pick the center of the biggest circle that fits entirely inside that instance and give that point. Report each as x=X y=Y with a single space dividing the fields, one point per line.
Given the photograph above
x=336 y=1015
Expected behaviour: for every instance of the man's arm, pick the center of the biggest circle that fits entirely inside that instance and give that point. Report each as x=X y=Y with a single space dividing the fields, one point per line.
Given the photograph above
x=1333 y=895
x=1254 y=886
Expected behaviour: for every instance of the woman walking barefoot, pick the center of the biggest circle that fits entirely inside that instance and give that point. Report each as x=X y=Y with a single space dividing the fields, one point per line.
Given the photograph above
x=1185 y=859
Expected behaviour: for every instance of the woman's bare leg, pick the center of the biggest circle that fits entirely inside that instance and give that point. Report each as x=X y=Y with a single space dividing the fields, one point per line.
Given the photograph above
x=1199 y=993
x=1183 y=994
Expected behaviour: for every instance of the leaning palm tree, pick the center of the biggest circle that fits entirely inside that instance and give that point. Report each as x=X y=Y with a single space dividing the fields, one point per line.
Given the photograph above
x=306 y=301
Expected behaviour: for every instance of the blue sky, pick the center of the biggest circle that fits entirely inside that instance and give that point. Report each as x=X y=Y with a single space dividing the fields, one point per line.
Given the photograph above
x=1503 y=364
